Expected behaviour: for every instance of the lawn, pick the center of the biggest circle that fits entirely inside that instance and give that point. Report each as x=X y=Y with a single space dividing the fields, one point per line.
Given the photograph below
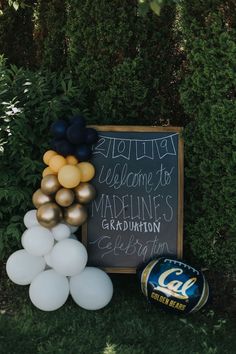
x=128 y=325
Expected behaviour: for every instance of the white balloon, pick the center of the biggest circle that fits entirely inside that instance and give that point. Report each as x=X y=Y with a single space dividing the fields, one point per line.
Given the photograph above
x=73 y=237
x=49 y=290
x=69 y=257
x=23 y=267
x=92 y=289
x=72 y=228
x=37 y=240
x=48 y=259
x=61 y=231
x=30 y=218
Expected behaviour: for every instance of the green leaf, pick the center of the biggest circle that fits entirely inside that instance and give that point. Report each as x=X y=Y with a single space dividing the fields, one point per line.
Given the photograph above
x=15 y=5
x=155 y=6
x=143 y=7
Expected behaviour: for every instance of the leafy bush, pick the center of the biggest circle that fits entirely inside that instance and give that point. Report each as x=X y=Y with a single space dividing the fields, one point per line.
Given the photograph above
x=29 y=103
x=208 y=95
x=16 y=33
x=126 y=65
x=49 y=34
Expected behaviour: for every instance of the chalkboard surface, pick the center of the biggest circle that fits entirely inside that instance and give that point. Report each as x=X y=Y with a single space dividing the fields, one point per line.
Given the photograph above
x=138 y=211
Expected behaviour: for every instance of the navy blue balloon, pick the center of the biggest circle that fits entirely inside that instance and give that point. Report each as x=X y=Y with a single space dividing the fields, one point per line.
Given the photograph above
x=75 y=134
x=91 y=136
x=174 y=285
x=54 y=144
x=83 y=152
x=64 y=147
x=80 y=120
x=58 y=129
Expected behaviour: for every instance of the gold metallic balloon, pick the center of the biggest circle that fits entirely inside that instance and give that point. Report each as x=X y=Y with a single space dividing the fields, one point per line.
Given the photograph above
x=50 y=184
x=49 y=215
x=39 y=198
x=85 y=192
x=64 y=197
x=75 y=215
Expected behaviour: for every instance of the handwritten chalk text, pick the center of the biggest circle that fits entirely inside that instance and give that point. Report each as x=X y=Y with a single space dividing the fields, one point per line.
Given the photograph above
x=119 y=245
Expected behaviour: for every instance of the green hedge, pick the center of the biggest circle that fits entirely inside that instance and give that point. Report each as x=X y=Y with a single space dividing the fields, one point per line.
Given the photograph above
x=126 y=65
x=209 y=97
x=16 y=34
x=49 y=34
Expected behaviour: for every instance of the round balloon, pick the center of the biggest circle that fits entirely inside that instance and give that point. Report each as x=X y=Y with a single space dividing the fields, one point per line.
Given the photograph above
x=69 y=257
x=30 y=218
x=83 y=152
x=91 y=136
x=57 y=162
x=55 y=143
x=173 y=285
x=48 y=154
x=49 y=215
x=49 y=290
x=85 y=193
x=23 y=267
x=48 y=260
x=58 y=129
x=37 y=240
x=60 y=232
x=48 y=171
x=39 y=198
x=87 y=171
x=73 y=237
x=75 y=214
x=50 y=184
x=92 y=289
x=69 y=176
x=72 y=228
x=71 y=160
x=78 y=119
x=64 y=147
x=64 y=197
x=75 y=134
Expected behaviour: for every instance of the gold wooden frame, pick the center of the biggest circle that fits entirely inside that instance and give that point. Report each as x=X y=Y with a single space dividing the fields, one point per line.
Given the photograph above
x=134 y=128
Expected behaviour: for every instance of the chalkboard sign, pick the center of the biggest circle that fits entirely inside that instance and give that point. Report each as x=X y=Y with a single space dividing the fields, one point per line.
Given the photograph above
x=138 y=211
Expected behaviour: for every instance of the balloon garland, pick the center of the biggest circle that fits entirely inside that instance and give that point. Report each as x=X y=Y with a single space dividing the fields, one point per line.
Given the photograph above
x=52 y=261
x=65 y=190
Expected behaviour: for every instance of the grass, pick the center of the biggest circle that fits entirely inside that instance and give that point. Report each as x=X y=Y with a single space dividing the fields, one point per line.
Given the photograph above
x=128 y=325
